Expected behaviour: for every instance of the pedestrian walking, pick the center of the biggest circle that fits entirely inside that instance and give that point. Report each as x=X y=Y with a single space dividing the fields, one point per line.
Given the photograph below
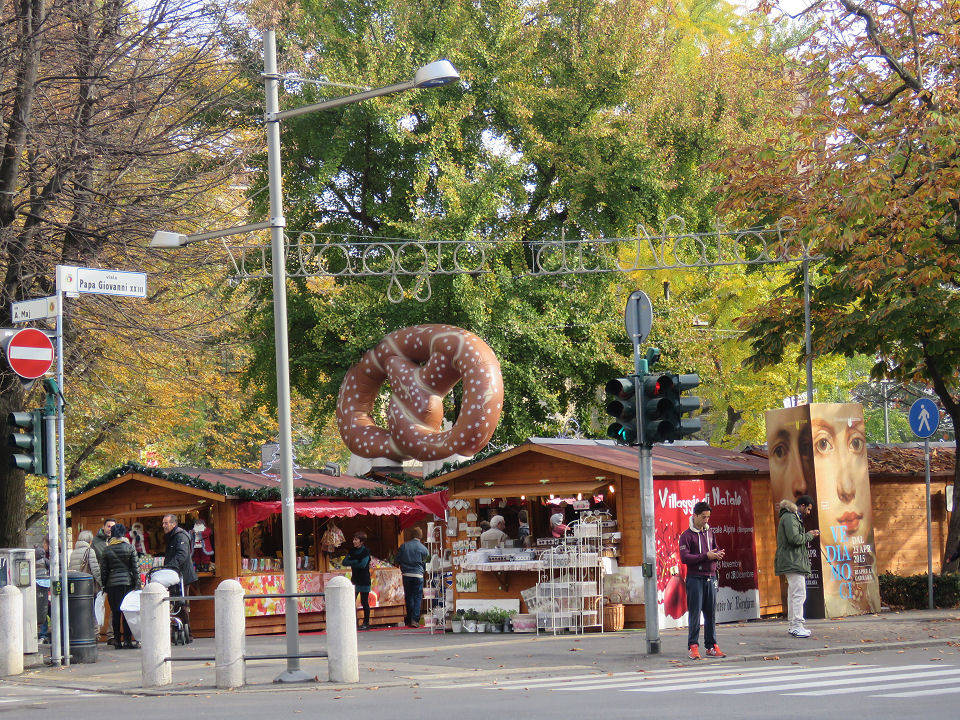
x=41 y=553
x=792 y=559
x=699 y=552
x=178 y=556
x=358 y=560
x=119 y=576
x=412 y=557
x=83 y=558
x=99 y=544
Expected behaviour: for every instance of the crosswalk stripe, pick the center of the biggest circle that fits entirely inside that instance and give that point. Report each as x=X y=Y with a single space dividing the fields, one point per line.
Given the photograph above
x=919 y=693
x=889 y=673
x=598 y=677
x=782 y=677
x=691 y=681
x=945 y=676
x=604 y=680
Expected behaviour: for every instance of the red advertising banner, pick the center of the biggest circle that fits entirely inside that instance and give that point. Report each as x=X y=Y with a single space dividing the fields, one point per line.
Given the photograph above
x=731 y=520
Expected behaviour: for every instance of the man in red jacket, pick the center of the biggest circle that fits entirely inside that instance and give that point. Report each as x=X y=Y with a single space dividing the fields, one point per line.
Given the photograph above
x=699 y=551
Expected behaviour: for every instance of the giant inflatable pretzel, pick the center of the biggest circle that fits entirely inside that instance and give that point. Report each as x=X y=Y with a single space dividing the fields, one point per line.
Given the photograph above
x=422 y=363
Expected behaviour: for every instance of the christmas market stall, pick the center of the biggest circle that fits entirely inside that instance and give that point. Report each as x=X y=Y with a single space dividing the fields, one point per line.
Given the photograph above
x=570 y=540
x=234 y=519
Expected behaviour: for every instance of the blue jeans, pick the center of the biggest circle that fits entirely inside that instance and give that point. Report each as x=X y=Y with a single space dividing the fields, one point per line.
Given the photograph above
x=701 y=596
x=412 y=598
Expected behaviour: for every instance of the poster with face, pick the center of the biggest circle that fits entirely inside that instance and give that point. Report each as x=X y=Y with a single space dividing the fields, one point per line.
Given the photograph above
x=820 y=450
x=844 y=510
x=731 y=521
x=790 y=451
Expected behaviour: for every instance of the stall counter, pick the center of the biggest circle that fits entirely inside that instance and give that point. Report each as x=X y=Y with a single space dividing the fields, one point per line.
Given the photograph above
x=386 y=589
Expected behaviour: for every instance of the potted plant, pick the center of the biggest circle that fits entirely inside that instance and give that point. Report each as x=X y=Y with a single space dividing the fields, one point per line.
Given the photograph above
x=481 y=621
x=456 y=624
x=470 y=621
x=492 y=617
x=508 y=620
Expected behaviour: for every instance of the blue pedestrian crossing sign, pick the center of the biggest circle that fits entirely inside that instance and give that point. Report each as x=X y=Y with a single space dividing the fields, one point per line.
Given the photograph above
x=924 y=417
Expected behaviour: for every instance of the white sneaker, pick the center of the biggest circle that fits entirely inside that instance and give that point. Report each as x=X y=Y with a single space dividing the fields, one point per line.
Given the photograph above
x=800 y=633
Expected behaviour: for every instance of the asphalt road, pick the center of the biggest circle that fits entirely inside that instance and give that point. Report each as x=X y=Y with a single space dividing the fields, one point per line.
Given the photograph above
x=878 y=685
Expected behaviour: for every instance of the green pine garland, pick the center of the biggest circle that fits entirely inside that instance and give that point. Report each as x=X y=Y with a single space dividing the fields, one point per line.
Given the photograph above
x=410 y=486
x=488 y=451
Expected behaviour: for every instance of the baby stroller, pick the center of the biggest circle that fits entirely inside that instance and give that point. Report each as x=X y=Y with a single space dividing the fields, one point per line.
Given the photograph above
x=170 y=579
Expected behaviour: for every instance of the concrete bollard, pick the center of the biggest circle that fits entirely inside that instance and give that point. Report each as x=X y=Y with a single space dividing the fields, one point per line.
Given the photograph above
x=155 y=636
x=341 y=609
x=11 y=637
x=229 y=633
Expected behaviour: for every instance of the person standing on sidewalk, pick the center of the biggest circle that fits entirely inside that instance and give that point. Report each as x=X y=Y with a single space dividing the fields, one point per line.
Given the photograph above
x=119 y=576
x=699 y=552
x=99 y=544
x=411 y=557
x=792 y=559
x=358 y=560
x=177 y=556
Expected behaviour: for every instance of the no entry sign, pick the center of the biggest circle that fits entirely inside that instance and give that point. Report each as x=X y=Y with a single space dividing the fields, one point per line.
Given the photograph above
x=30 y=353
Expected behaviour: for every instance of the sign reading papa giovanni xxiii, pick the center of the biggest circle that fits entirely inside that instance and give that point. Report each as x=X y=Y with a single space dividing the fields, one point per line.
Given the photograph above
x=102 y=282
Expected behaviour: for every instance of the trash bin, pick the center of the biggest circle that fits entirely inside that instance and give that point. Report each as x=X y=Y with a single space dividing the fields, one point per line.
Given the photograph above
x=83 y=630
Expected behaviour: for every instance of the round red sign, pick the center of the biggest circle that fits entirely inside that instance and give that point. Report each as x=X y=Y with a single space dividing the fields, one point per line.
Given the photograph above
x=30 y=353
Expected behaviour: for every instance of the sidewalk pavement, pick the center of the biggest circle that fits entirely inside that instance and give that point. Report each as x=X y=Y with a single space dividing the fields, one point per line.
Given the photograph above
x=401 y=657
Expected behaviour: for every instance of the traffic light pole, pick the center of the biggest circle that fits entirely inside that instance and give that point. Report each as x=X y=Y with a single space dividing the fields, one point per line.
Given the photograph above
x=56 y=460
x=53 y=528
x=651 y=605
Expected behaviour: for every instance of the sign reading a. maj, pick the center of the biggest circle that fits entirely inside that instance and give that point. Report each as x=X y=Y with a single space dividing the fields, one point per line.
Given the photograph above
x=103 y=282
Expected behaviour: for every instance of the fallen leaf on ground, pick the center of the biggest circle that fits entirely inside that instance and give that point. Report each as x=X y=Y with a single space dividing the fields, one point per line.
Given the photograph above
x=771 y=657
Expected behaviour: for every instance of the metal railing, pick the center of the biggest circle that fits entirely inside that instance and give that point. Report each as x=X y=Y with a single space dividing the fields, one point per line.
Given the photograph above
x=260 y=596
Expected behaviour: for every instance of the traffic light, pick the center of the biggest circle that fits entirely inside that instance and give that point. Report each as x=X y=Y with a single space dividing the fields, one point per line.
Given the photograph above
x=658 y=410
x=27 y=451
x=664 y=406
x=690 y=404
x=623 y=407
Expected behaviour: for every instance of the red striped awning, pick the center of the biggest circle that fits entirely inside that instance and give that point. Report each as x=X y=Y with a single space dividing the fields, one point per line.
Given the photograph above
x=410 y=511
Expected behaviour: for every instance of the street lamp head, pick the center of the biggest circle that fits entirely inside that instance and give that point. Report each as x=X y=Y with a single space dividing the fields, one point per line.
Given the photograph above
x=166 y=239
x=435 y=74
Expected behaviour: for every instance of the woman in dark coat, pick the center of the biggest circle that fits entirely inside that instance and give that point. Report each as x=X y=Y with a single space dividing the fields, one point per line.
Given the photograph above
x=358 y=560
x=120 y=576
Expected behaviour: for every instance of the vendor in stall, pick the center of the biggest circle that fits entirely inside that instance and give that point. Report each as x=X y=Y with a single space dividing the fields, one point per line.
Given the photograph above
x=495 y=536
x=557 y=526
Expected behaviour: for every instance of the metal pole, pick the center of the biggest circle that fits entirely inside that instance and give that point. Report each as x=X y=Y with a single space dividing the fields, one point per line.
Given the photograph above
x=807 y=341
x=64 y=595
x=926 y=467
x=650 y=603
x=886 y=417
x=52 y=525
x=293 y=672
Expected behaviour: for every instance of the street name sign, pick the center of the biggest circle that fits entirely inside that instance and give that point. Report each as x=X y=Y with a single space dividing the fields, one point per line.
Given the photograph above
x=924 y=417
x=37 y=309
x=30 y=353
x=102 y=282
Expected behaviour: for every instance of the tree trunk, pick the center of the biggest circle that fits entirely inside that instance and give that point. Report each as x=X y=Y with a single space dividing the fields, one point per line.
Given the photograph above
x=12 y=488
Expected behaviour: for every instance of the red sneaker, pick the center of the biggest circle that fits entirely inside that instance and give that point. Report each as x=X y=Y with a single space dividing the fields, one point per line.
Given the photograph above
x=695 y=652
x=715 y=651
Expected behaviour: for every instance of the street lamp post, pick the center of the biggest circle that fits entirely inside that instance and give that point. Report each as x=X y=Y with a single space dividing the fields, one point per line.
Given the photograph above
x=435 y=74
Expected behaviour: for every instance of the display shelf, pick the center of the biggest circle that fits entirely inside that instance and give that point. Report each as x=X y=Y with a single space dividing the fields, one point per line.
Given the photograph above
x=434 y=586
x=569 y=591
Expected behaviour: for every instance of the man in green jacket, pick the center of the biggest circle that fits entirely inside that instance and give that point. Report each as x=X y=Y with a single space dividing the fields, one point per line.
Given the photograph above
x=793 y=559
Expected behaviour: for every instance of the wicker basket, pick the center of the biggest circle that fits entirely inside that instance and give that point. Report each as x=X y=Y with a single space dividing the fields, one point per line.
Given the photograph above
x=613 y=617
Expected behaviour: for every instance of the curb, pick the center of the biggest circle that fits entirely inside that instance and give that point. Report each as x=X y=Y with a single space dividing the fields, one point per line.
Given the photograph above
x=846 y=649
x=321 y=685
